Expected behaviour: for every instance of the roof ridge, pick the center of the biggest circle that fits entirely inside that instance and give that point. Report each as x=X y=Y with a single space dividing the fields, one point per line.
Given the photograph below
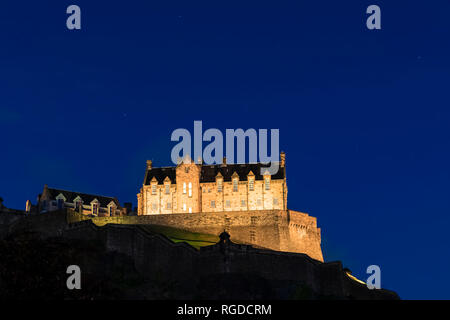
x=89 y=194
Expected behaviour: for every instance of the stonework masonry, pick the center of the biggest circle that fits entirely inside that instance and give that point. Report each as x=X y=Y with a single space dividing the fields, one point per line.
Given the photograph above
x=280 y=230
x=155 y=255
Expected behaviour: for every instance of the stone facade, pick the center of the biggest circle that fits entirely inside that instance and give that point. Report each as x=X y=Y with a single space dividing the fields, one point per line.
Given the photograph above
x=193 y=188
x=88 y=204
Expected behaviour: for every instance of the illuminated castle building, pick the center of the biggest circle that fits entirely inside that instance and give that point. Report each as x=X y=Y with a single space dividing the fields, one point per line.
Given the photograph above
x=194 y=188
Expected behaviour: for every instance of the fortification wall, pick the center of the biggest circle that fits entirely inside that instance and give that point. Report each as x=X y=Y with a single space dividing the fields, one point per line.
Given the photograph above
x=156 y=256
x=280 y=230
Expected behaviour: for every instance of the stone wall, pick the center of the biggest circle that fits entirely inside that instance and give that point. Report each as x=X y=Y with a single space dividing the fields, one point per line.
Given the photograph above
x=155 y=255
x=279 y=230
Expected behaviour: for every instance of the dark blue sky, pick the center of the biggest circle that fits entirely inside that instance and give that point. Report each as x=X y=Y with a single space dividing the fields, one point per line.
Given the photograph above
x=363 y=115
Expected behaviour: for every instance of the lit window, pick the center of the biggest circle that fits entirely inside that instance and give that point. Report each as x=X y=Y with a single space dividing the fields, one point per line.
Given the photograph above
x=228 y=203
x=267 y=183
x=235 y=185
x=213 y=204
x=95 y=208
x=190 y=210
x=167 y=188
x=251 y=184
x=190 y=189
x=184 y=206
x=219 y=185
x=184 y=187
x=154 y=189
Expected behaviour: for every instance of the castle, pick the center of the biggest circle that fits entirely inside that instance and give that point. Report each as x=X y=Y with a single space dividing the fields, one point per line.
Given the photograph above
x=244 y=199
x=192 y=188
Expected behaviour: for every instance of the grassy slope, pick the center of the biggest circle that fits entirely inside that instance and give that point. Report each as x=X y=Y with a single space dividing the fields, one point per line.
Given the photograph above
x=196 y=240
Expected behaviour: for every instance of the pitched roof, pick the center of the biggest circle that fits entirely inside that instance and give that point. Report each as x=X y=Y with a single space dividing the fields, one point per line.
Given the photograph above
x=87 y=198
x=209 y=172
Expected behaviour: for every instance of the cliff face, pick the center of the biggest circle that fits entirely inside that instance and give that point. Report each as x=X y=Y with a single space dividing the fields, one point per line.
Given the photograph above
x=133 y=262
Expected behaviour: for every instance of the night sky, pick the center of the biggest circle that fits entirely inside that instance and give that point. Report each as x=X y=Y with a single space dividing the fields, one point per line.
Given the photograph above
x=363 y=115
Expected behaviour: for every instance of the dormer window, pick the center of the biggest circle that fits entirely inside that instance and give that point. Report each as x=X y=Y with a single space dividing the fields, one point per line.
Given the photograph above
x=95 y=208
x=267 y=183
x=112 y=209
x=235 y=185
x=219 y=185
x=167 y=188
x=154 y=189
x=60 y=203
x=78 y=205
x=251 y=184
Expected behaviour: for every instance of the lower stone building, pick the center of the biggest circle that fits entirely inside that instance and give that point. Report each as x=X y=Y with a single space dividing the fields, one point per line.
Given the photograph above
x=88 y=204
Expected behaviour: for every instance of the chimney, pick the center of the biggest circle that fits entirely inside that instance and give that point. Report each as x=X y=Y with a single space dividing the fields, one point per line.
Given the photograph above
x=224 y=161
x=128 y=207
x=149 y=164
x=282 y=159
x=28 y=206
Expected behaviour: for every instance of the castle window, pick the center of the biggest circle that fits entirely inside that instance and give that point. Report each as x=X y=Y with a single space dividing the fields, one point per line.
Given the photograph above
x=184 y=187
x=228 y=203
x=213 y=204
x=251 y=184
x=209 y=190
x=184 y=206
x=95 y=208
x=167 y=188
x=258 y=202
x=78 y=205
x=154 y=206
x=190 y=210
x=154 y=189
x=186 y=170
x=219 y=185
x=242 y=203
x=169 y=205
x=190 y=189
x=275 y=201
x=235 y=185
x=267 y=183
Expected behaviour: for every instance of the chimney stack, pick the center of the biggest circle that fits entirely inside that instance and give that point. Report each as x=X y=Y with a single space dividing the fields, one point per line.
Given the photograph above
x=282 y=159
x=149 y=164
